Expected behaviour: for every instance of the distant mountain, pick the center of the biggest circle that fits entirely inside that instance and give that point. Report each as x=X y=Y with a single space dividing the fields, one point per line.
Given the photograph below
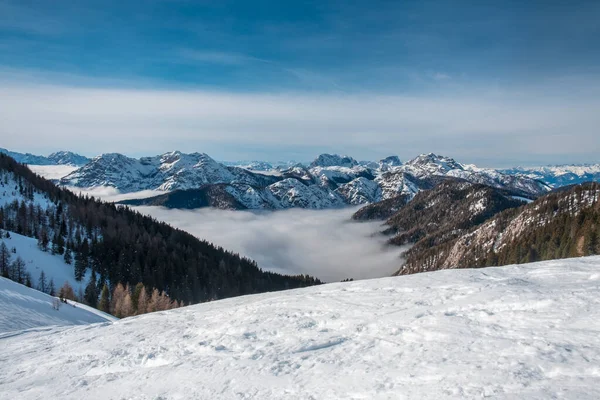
x=330 y=181
x=264 y=166
x=559 y=175
x=58 y=158
x=334 y=160
x=169 y=171
x=68 y=158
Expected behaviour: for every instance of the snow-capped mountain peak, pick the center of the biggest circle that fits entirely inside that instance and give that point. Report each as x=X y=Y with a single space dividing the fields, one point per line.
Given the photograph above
x=334 y=160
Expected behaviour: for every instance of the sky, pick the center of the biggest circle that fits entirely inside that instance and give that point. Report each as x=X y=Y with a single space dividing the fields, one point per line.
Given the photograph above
x=492 y=83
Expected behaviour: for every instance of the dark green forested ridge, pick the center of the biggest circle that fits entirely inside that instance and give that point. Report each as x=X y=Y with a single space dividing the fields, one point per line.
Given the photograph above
x=561 y=224
x=124 y=246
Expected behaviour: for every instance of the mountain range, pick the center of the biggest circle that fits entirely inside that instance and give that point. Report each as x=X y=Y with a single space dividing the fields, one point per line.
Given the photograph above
x=559 y=175
x=57 y=158
x=329 y=181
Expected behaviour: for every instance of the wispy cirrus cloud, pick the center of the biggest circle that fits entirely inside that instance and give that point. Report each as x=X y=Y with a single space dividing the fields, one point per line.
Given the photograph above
x=218 y=57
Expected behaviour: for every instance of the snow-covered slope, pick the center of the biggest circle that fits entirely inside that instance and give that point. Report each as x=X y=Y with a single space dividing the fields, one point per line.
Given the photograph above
x=37 y=261
x=529 y=332
x=52 y=172
x=24 y=308
x=559 y=175
x=169 y=171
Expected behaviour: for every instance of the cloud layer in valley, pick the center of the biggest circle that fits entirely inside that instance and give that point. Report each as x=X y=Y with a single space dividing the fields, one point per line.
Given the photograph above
x=324 y=243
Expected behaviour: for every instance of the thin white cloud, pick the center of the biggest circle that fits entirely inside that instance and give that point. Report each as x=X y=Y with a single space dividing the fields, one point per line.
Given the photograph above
x=534 y=124
x=324 y=243
x=218 y=57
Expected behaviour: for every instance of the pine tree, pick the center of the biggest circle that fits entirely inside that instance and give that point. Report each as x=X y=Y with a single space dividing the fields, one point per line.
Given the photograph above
x=18 y=270
x=4 y=260
x=81 y=261
x=136 y=295
x=104 y=304
x=42 y=284
x=91 y=292
x=43 y=239
x=51 y=288
x=28 y=279
x=68 y=257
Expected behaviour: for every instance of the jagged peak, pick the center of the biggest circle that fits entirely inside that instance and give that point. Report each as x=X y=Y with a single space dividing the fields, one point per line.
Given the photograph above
x=333 y=160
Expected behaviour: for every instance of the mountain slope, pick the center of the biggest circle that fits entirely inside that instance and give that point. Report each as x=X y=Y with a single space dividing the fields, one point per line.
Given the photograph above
x=25 y=308
x=562 y=224
x=36 y=261
x=519 y=332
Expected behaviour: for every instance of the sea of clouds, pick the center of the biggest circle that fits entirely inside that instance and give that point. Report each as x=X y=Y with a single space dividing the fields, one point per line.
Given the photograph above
x=322 y=243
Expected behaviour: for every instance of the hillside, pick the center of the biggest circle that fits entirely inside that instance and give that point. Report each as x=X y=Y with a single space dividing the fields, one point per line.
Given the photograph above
x=53 y=265
x=518 y=332
x=123 y=246
x=25 y=308
x=564 y=223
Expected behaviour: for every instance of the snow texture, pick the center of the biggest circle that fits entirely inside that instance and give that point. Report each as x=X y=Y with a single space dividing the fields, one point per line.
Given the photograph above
x=516 y=332
x=23 y=308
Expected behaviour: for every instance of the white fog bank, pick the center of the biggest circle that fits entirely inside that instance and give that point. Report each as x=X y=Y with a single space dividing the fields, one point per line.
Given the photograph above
x=321 y=243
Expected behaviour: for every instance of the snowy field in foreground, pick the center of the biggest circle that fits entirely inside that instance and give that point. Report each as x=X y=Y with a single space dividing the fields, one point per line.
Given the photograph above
x=530 y=331
x=24 y=308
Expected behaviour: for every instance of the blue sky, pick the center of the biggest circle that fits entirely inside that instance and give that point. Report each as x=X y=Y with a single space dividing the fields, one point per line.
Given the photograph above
x=505 y=57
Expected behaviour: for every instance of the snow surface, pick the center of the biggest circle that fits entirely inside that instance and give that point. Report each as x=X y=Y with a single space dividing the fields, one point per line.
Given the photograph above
x=529 y=331
x=37 y=261
x=52 y=172
x=23 y=308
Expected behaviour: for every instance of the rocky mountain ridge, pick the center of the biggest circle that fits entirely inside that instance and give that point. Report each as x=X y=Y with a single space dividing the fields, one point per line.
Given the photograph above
x=330 y=181
x=57 y=158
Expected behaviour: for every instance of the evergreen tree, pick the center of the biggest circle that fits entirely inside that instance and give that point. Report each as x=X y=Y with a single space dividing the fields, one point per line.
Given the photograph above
x=42 y=284
x=91 y=292
x=104 y=304
x=4 y=260
x=43 y=239
x=18 y=270
x=51 y=288
x=68 y=258
x=81 y=261
x=28 y=279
